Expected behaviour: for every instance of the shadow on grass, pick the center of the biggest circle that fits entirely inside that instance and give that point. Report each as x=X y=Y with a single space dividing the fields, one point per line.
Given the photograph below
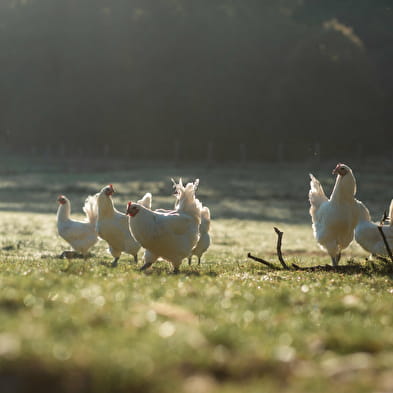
x=381 y=268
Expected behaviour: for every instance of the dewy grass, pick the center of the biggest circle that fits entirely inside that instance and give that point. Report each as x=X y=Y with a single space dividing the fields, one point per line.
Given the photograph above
x=228 y=325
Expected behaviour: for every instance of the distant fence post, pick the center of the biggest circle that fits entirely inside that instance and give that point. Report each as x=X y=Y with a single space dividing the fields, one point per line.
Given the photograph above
x=48 y=150
x=317 y=152
x=243 y=154
x=106 y=150
x=176 y=152
x=6 y=140
x=62 y=151
x=280 y=152
x=210 y=154
x=359 y=152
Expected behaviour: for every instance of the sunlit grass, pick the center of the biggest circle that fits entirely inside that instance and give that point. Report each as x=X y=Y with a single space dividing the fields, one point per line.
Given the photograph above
x=228 y=325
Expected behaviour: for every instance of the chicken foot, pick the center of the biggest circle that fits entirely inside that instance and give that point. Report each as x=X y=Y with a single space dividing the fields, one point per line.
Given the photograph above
x=190 y=259
x=145 y=266
x=336 y=259
x=114 y=262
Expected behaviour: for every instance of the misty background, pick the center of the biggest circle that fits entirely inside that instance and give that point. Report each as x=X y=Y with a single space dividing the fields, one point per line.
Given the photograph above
x=150 y=79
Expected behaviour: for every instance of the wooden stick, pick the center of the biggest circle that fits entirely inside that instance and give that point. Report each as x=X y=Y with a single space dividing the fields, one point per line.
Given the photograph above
x=383 y=219
x=384 y=237
x=381 y=258
x=261 y=261
x=328 y=268
x=279 y=253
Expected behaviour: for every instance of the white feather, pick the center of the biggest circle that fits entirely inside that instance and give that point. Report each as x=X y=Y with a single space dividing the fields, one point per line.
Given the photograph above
x=334 y=219
x=81 y=235
x=113 y=227
x=368 y=235
x=172 y=234
x=146 y=200
x=204 y=236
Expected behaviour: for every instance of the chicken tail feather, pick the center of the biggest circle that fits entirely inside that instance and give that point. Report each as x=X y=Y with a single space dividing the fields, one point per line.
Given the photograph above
x=91 y=208
x=186 y=201
x=205 y=219
x=205 y=213
x=316 y=194
x=146 y=200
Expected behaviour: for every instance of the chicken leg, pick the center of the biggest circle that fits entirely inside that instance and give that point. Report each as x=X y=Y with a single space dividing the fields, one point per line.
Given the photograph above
x=176 y=265
x=336 y=259
x=149 y=258
x=145 y=266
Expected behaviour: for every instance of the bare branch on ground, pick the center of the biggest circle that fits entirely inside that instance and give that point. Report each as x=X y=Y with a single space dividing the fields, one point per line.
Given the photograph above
x=384 y=237
x=267 y=263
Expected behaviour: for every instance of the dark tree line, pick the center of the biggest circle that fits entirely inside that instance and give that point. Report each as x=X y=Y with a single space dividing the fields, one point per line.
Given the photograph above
x=138 y=75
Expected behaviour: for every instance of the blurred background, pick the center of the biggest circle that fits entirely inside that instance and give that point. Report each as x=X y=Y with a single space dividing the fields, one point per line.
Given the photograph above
x=257 y=80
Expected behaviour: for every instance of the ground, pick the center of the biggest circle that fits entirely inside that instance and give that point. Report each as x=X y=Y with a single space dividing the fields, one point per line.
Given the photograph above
x=228 y=325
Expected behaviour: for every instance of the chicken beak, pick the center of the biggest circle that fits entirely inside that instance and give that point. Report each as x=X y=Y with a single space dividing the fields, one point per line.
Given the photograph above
x=336 y=169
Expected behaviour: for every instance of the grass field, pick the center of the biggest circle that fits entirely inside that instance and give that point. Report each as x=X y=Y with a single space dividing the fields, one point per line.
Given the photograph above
x=229 y=325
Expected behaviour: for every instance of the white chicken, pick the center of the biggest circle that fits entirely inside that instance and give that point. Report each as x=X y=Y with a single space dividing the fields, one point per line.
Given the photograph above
x=81 y=235
x=368 y=235
x=204 y=236
x=170 y=235
x=113 y=227
x=334 y=219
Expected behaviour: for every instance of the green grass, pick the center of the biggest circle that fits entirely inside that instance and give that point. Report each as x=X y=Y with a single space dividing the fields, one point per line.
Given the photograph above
x=229 y=325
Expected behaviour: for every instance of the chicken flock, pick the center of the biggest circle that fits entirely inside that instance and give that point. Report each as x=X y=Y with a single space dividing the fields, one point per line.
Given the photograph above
x=169 y=234
x=180 y=233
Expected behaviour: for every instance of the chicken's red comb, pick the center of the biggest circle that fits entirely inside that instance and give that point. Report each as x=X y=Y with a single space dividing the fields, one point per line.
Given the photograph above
x=61 y=199
x=110 y=185
x=338 y=166
x=128 y=206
